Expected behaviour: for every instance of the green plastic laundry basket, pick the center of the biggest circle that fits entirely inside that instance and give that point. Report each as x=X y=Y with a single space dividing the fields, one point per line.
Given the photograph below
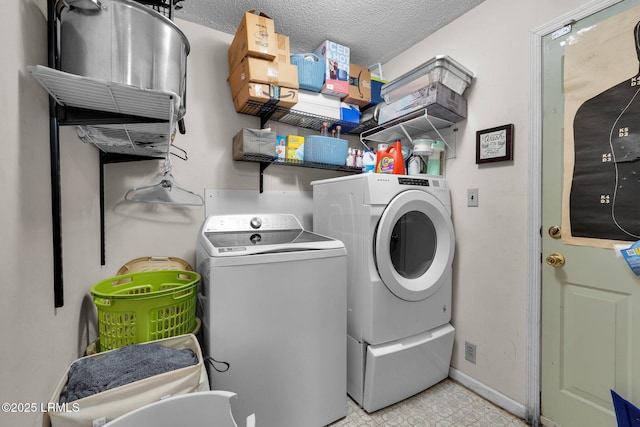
x=145 y=306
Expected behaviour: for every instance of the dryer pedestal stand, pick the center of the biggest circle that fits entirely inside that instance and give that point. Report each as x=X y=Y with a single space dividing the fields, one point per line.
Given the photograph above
x=381 y=375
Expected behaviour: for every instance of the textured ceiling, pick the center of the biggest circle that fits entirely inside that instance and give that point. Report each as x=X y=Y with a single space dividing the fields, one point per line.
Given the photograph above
x=374 y=30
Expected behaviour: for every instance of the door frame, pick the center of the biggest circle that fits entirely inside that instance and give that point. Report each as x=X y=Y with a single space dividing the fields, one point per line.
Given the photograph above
x=534 y=204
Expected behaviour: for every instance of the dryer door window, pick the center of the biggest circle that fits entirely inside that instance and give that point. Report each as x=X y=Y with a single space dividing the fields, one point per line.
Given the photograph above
x=414 y=245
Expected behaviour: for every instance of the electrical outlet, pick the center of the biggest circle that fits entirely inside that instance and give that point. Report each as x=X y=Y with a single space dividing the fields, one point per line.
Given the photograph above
x=470 y=352
x=472 y=197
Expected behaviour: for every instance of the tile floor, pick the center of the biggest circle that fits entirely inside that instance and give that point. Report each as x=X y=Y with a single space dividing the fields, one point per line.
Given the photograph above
x=445 y=404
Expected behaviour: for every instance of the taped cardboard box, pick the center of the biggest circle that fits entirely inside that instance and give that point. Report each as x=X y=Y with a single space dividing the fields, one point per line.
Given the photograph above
x=255 y=37
x=359 y=86
x=107 y=405
x=252 y=96
x=439 y=101
x=254 y=142
x=284 y=50
x=257 y=70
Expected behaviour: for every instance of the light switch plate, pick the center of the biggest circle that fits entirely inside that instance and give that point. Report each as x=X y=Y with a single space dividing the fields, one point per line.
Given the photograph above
x=472 y=197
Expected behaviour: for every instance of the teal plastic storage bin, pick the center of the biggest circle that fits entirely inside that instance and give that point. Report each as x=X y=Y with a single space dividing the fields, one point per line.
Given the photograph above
x=323 y=149
x=310 y=71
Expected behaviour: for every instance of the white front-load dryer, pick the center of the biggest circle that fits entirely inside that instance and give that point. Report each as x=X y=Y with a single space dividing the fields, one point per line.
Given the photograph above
x=400 y=243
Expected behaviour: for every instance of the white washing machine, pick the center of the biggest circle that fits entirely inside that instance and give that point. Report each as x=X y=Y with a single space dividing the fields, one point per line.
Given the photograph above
x=273 y=308
x=400 y=243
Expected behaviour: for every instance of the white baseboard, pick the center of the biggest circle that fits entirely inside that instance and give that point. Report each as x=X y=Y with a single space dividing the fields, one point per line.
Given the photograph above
x=548 y=423
x=493 y=396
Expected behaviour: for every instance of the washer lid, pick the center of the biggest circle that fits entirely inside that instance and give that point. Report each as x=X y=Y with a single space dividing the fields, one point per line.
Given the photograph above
x=235 y=235
x=414 y=245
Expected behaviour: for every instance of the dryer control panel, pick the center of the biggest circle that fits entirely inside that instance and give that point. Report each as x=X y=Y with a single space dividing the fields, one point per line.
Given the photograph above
x=414 y=181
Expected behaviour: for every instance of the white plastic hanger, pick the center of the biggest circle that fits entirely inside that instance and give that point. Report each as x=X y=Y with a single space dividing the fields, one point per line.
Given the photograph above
x=164 y=190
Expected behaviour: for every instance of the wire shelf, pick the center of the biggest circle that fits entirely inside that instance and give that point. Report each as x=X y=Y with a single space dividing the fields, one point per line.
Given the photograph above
x=143 y=138
x=272 y=111
x=417 y=123
x=163 y=7
x=71 y=90
x=300 y=163
x=139 y=139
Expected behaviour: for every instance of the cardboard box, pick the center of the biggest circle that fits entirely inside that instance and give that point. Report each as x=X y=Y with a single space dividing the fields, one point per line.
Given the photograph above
x=359 y=86
x=283 y=54
x=255 y=37
x=256 y=142
x=281 y=147
x=336 y=62
x=318 y=104
x=439 y=101
x=295 y=147
x=258 y=70
x=253 y=95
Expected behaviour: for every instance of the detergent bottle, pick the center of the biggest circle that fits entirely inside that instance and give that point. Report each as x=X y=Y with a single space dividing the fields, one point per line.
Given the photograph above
x=390 y=159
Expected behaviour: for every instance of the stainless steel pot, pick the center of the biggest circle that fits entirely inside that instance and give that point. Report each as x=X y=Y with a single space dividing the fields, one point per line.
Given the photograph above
x=125 y=42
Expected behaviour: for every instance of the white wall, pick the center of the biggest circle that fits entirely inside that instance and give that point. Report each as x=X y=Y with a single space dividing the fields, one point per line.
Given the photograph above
x=490 y=283
x=136 y=229
x=39 y=342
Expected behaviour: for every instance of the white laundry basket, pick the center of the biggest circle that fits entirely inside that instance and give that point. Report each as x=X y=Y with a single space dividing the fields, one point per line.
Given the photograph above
x=205 y=409
x=107 y=405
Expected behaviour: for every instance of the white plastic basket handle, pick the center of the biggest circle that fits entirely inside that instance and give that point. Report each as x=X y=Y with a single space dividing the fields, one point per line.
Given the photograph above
x=377 y=66
x=311 y=57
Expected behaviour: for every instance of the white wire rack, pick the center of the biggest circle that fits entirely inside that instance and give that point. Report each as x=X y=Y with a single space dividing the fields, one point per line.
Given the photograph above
x=145 y=139
x=411 y=126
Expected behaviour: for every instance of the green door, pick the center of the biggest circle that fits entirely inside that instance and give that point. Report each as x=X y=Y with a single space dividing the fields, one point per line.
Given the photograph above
x=590 y=302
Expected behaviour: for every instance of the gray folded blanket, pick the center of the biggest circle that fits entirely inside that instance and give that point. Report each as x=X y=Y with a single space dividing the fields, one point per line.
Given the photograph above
x=125 y=365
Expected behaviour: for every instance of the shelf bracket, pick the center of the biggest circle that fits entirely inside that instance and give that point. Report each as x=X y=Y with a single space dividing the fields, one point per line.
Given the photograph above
x=406 y=133
x=266 y=111
x=103 y=257
x=263 y=166
x=442 y=138
x=54 y=148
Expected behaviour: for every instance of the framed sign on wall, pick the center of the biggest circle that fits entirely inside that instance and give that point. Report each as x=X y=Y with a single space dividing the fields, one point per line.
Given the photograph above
x=495 y=144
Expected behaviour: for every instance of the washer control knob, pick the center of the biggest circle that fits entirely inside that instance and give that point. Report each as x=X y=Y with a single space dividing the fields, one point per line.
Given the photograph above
x=255 y=222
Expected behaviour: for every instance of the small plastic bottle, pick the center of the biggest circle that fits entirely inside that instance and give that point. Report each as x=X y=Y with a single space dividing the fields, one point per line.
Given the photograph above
x=349 y=161
x=324 y=130
x=368 y=162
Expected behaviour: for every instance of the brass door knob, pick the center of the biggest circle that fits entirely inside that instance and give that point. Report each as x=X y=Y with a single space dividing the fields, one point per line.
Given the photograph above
x=555 y=232
x=555 y=260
